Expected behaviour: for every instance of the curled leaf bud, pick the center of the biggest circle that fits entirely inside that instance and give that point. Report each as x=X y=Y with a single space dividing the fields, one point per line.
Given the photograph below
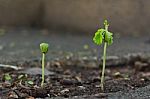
x=44 y=47
x=106 y=23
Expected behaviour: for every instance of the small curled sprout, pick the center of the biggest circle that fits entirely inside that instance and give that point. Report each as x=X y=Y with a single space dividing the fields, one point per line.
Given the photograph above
x=44 y=47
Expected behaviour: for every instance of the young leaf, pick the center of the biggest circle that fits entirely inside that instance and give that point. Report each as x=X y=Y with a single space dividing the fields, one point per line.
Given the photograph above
x=20 y=76
x=7 y=77
x=108 y=37
x=98 y=37
x=106 y=23
x=30 y=82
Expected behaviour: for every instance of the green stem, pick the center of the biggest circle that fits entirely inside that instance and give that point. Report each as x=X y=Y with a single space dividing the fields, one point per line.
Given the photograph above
x=103 y=70
x=43 y=61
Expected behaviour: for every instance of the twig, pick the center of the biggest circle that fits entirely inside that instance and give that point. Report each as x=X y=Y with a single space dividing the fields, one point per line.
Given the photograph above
x=10 y=66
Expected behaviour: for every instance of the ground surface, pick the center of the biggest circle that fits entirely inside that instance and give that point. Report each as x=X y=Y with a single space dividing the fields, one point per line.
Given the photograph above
x=72 y=68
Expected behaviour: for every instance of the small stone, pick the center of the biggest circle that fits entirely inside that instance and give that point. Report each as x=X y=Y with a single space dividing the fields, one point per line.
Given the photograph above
x=117 y=74
x=67 y=72
x=78 y=79
x=146 y=74
x=97 y=86
x=81 y=87
x=142 y=79
x=64 y=91
x=139 y=66
x=57 y=64
x=30 y=97
x=101 y=95
x=12 y=95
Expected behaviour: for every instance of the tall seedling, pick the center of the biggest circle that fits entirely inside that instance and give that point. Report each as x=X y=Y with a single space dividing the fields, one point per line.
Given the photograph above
x=106 y=37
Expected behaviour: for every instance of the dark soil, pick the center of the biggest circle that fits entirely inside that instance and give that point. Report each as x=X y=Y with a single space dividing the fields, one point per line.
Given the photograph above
x=72 y=68
x=62 y=80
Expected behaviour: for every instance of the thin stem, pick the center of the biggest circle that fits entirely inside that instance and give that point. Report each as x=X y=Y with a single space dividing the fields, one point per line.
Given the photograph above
x=106 y=27
x=43 y=63
x=103 y=70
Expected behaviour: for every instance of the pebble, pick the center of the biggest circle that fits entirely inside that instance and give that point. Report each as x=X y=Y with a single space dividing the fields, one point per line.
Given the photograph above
x=97 y=86
x=141 y=66
x=101 y=95
x=117 y=74
x=64 y=91
x=12 y=95
x=81 y=87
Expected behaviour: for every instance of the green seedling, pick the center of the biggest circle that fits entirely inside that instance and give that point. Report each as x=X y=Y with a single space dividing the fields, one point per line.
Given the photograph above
x=103 y=35
x=7 y=77
x=24 y=78
x=30 y=82
x=44 y=50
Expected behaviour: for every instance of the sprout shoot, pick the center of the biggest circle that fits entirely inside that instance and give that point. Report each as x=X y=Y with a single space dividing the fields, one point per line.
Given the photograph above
x=103 y=35
x=44 y=50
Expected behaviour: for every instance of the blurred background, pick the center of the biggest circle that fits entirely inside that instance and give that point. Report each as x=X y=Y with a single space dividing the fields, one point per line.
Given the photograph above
x=24 y=24
x=79 y=16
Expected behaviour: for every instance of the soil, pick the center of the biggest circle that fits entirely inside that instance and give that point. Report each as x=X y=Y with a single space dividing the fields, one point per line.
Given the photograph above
x=72 y=69
x=63 y=80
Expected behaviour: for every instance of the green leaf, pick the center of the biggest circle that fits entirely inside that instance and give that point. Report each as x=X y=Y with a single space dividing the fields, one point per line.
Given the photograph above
x=21 y=76
x=30 y=82
x=103 y=35
x=108 y=37
x=98 y=37
x=7 y=77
